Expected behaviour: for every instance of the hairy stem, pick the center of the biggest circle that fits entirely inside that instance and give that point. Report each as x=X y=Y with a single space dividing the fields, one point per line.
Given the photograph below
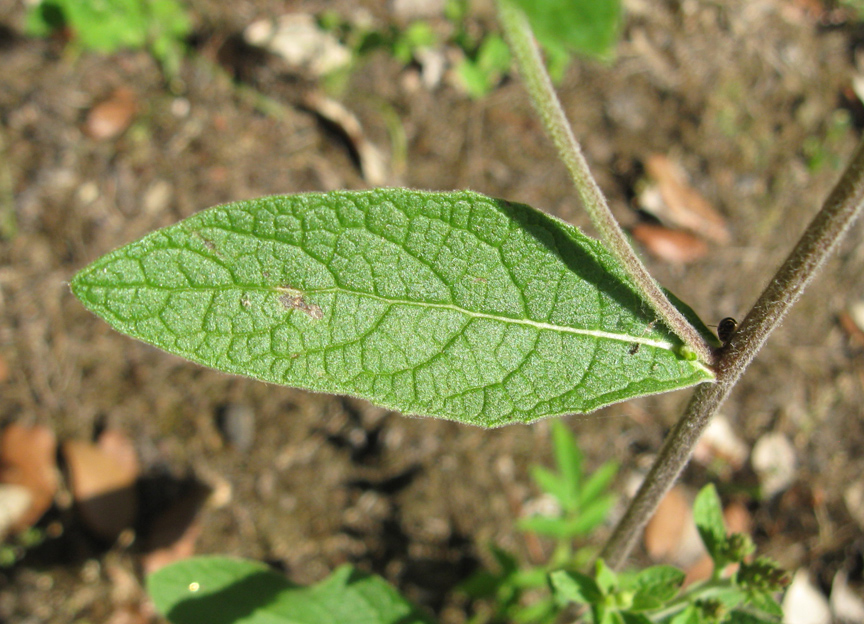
x=819 y=240
x=539 y=87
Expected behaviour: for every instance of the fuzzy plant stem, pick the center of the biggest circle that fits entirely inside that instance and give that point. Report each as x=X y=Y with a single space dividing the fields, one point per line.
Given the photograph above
x=819 y=240
x=539 y=86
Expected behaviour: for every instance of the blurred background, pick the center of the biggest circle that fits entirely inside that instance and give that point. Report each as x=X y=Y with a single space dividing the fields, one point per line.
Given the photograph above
x=715 y=129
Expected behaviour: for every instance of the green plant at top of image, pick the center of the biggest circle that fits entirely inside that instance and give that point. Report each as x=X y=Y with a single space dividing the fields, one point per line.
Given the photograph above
x=585 y=27
x=482 y=69
x=588 y=28
x=107 y=26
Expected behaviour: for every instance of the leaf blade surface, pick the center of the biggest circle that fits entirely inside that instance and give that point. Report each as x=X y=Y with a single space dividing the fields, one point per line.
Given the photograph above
x=452 y=305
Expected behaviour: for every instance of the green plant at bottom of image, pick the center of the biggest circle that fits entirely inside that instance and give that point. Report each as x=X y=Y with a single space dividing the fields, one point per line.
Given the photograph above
x=220 y=589
x=655 y=594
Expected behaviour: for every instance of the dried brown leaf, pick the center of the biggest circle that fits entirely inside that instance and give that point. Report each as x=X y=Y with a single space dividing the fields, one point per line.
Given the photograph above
x=675 y=246
x=111 y=117
x=103 y=485
x=28 y=459
x=682 y=205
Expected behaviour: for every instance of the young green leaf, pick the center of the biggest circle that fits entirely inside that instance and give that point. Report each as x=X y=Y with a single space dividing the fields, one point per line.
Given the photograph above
x=708 y=516
x=541 y=611
x=634 y=618
x=571 y=586
x=744 y=617
x=764 y=602
x=592 y=515
x=553 y=484
x=452 y=305
x=603 y=615
x=654 y=586
x=606 y=577
x=506 y=560
x=568 y=457
x=219 y=590
x=597 y=484
x=690 y=615
x=565 y=528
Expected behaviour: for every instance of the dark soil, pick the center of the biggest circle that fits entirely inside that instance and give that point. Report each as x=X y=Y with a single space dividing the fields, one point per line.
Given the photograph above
x=741 y=93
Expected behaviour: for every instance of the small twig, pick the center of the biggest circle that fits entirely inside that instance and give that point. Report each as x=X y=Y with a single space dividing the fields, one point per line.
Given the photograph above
x=819 y=240
x=540 y=88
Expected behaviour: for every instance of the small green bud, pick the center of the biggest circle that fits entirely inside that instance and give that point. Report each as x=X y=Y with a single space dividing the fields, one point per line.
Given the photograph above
x=736 y=548
x=762 y=575
x=622 y=600
x=711 y=610
x=687 y=353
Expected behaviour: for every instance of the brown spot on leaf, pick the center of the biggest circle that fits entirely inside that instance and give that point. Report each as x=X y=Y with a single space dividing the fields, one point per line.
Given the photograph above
x=295 y=300
x=209 y=244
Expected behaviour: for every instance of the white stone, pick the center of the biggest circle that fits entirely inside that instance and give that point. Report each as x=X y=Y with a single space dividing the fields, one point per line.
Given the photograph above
x=774 y=461
x=846 y=605
x=804 y=603
x=300 y=42
x=14 y=502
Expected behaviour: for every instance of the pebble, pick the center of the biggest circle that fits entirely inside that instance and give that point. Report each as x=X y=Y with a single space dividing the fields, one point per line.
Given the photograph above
x=846 y=605
x=853 y=496
x=174 y=532
x=299 y=40
x=111 y=117
x=14 y=502
x=413 y=10
x=236 y=421
x=721 y=442
x=804 y=603
x=774 y=461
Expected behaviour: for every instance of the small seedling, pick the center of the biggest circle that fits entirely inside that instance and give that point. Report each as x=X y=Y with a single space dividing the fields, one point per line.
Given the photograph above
x=739 y=589
x=583 y=504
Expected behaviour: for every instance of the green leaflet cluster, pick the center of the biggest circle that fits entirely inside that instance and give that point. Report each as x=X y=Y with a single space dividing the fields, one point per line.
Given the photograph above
x=452 y=305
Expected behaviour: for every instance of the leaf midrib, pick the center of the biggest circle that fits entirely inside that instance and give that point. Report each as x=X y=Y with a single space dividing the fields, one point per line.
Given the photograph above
x=659 y=344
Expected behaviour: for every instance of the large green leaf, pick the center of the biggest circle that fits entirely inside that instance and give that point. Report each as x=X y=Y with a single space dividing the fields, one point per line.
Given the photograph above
x=452 y=305
x=582 y=26
x=223 y=590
